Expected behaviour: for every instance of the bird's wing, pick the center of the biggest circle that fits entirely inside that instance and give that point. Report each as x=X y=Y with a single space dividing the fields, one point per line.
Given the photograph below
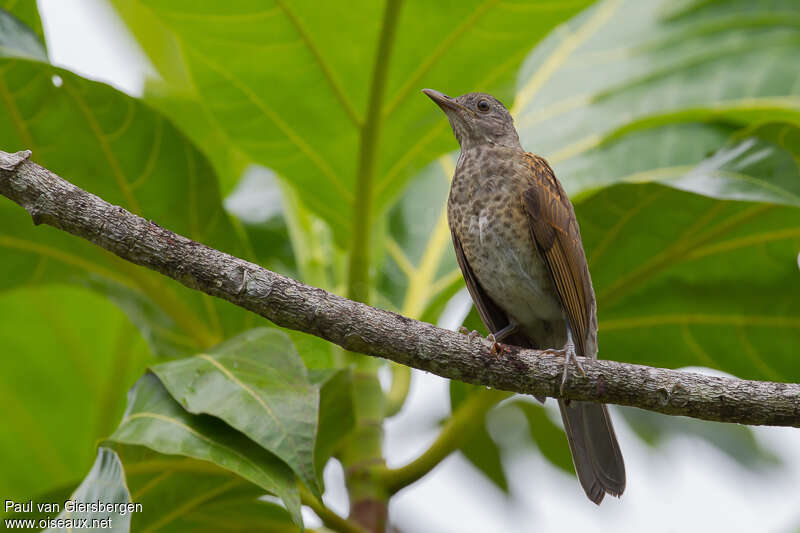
x=492 y=316
x=554 y=229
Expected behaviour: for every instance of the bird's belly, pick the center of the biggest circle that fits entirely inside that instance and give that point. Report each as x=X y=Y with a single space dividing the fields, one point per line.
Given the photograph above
x=513 y=274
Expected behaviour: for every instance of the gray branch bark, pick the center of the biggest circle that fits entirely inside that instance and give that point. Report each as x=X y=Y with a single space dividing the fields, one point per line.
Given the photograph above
x=360 y=328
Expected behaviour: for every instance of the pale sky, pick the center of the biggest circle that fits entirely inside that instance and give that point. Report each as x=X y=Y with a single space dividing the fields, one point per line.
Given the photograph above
x=685 y=485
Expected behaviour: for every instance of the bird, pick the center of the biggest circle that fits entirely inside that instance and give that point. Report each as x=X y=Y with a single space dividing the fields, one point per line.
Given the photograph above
x=518 y=244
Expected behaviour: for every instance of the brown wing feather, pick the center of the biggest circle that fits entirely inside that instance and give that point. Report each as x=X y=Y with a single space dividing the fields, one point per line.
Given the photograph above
x=554 y=229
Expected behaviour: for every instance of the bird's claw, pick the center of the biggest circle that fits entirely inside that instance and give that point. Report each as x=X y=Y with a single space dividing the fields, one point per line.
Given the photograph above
x=497 y=348
x=471 y=334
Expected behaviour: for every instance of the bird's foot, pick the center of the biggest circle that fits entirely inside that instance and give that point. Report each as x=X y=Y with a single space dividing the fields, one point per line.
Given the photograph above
x=569 y=354
x=497 y=348
x=499 y=335
x=471 y=334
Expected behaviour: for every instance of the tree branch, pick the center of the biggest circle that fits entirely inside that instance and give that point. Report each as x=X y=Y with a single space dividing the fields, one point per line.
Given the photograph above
x=361 y=328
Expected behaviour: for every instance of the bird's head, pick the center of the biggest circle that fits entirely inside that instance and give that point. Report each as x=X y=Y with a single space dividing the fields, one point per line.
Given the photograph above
x=477 y=118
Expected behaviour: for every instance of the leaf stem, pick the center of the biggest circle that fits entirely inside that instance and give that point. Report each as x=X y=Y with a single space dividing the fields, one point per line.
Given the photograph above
x=329 y=518
x=368 y=501
x=458 y=428
x=401 y=384
x=358 y=279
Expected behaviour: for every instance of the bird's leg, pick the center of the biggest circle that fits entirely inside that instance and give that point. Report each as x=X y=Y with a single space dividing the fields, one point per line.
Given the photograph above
x=503 y=333
x=471 y=334
x=496 y=337
x=569 y=353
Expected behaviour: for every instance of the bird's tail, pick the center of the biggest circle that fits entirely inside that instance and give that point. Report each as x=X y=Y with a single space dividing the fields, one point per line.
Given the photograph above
x=595 y=451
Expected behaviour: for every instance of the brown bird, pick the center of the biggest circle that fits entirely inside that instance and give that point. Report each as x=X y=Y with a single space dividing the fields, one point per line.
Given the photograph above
x=519 y=248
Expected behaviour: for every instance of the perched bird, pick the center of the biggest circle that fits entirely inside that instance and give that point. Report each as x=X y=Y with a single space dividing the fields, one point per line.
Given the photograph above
x=519 y=248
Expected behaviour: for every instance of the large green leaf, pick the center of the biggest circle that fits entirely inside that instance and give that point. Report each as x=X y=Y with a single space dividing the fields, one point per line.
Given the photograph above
x=176 y=494
x=128 y=154
x=626 y=65
x=713 y=283
x=311 y=139
x=210 y=502
x=257 y=383
x=154 y=419
x=713 y=160
x=68 y=357
x=699 y=280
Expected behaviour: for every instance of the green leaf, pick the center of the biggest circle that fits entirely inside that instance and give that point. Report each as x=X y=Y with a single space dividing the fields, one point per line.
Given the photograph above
x=256 y=382
x=105 y=484
x=317 y=353
x=713 y=160
x=64 y=373
x=155 y=420
x=479 y=449
x=227 y=158
x=683 y=279
x=623 y=66
x=17 y=39
x=180 y=494
x=154 y=325
x=123 y=151
x=312 y=141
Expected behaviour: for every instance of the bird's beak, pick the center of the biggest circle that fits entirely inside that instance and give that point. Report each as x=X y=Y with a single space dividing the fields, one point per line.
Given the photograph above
x=445 y=102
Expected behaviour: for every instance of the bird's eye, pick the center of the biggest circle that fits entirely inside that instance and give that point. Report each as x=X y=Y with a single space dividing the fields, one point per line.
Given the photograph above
x=484 y=106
